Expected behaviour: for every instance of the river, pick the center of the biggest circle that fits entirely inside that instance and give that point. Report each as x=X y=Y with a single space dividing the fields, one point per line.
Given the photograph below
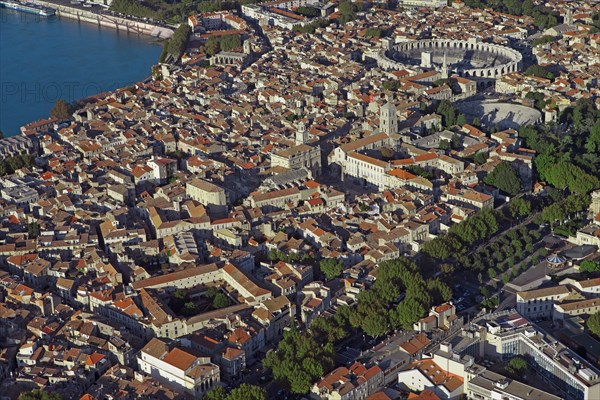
x=46 y=58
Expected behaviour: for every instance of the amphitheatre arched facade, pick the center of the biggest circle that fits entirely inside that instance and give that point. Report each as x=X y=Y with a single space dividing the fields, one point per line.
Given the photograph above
x=484 y=62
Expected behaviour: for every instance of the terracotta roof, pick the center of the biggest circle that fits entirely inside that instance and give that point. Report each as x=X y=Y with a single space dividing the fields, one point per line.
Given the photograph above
x=179 y=359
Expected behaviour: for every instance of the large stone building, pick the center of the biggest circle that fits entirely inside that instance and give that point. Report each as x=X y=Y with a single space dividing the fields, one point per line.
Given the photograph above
x=178 y=368
x=207 y=193
x=299 y=156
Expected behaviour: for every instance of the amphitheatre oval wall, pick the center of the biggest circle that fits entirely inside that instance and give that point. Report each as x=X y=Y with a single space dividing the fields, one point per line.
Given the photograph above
x=465 y=58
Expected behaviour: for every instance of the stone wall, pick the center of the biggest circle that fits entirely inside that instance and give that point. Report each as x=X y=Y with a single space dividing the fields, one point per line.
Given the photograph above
x=110 y=21
x=385 y=58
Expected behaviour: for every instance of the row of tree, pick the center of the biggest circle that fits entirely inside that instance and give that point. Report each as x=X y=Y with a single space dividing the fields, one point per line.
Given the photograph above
x=243 y=392
x=135 y=8
x=544 y=17
x=461 y=236
x=176 y=44
x=399 y=297
x=568 y=153
x=301 y=358
x=568 y=207
x=9 y=165
x=502 y=253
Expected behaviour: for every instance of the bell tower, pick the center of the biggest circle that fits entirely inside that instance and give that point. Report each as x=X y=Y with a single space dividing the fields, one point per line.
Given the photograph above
x=301 y=133
x=388 y=119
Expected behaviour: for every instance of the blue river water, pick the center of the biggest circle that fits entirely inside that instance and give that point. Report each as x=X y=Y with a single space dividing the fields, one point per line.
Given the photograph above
x=46 y=58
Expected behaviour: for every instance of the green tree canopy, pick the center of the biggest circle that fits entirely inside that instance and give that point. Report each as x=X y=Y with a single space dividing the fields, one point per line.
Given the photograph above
x=247 y=392
x=331 y=267
x=588 y=266
x=408 y=312
x=593 y=324
x=221 y=300
x=216 y=393
x=243 y=392
x=516 y=366
x=539 y=71
x=299 y=360
x=309 y=12
x=505 y=178
x=519 y=208
x=40 y=395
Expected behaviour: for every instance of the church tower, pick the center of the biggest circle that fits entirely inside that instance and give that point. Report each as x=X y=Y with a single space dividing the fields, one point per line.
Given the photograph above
x=569 y=17
x=445 y=68
x=595 y=205
x=301 y=133
x=388 y=119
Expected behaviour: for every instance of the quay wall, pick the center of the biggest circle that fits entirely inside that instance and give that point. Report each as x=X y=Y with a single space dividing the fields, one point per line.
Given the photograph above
x=110 y=21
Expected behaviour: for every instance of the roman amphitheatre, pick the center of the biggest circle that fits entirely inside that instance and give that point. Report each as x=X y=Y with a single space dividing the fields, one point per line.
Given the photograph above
x=467 y=58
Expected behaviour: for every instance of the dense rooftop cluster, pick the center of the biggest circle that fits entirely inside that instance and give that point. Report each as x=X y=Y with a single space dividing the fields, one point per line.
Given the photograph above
x=179 y=227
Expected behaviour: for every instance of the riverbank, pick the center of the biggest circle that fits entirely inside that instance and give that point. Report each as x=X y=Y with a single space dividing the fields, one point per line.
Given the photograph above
x=101 y=17
x=64 y=60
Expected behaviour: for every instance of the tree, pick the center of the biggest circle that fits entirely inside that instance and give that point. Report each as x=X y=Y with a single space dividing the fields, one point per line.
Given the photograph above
x=589 y=266
x=347 y=11
x=230 y=42
x=330 y=328
x=409 y=311
x=176 y=45
x=519 y=208
x=538 y=98
x=34 y=230
x=448 y=112
x=505 y=178
x=247 y=392
x=592 y=144
x=375 y=325
x=543 y=40
x=593 y=323
x=539 y=71
x=391 y=85
x=516 y=366
x=553 y=213
x=481 y=157
x=61 y=110
x=331 y=267
x=289 y=361
x=40 y=395
x=216 y=393
x=221 y=301
x=309 y=12
x=373 y=32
